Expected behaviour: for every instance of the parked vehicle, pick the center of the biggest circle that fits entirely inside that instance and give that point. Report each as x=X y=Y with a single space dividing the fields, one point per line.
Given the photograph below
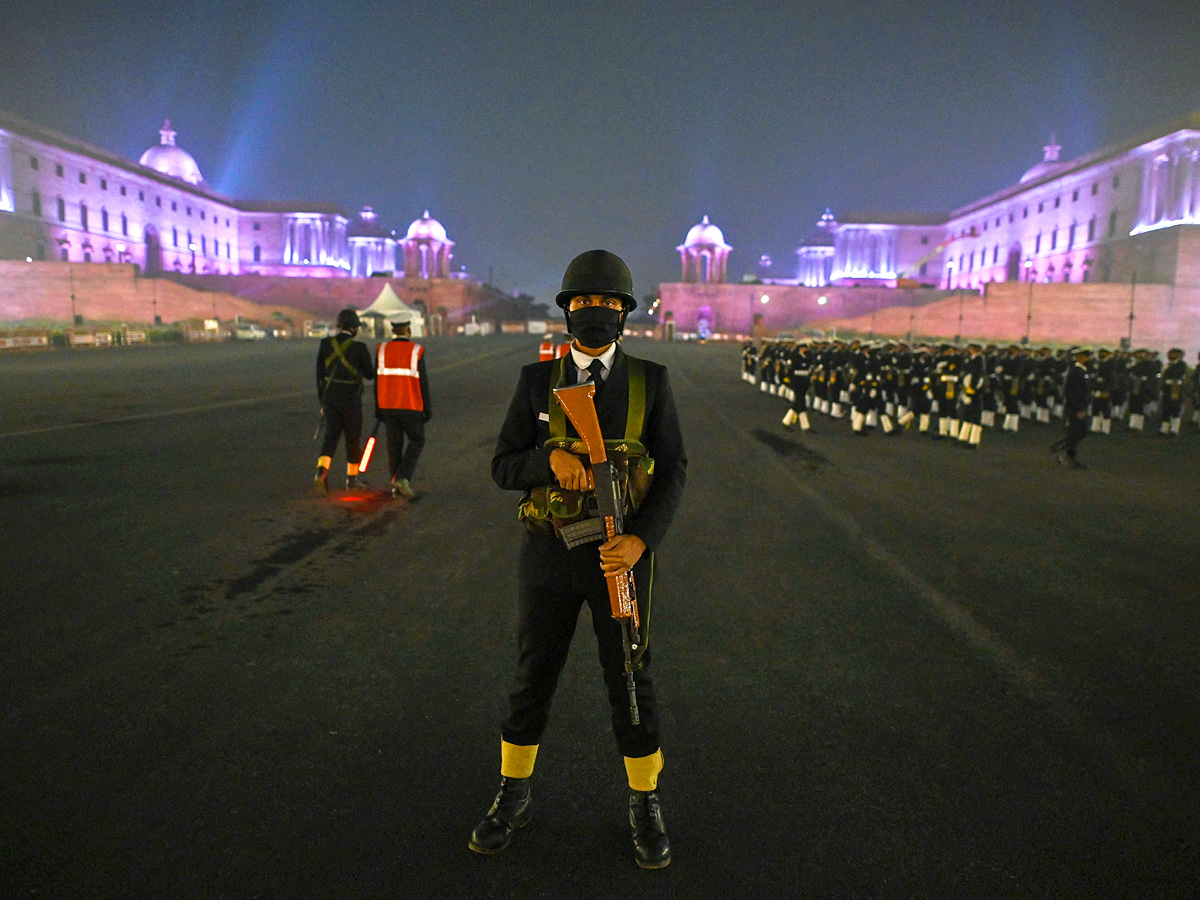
x=247 y=331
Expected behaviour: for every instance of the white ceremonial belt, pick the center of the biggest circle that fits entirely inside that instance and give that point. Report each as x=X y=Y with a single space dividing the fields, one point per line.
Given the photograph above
x=386 y=371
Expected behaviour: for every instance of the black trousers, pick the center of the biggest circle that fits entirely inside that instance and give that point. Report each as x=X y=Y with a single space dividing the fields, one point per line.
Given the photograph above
x=403 y=424
x=553 y=583
x=1077 y=430
x=343 y=415
x=972 y=413
x=800 y=388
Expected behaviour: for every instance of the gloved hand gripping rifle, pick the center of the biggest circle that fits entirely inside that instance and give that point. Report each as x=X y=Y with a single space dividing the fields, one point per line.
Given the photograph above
x=577 y=403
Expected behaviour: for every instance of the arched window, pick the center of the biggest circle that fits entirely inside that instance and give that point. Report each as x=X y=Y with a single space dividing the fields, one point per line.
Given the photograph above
x=37 y=203
x=83 y=217
x=257 y=253
x=104 y=219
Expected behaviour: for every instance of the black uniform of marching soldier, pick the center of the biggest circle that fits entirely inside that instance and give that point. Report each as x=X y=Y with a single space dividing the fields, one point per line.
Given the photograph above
x=800 y=379
x=343 y=364
x=1008 y=379
x=1143 y=377
x=1075 y=408
x=975 y=383
x=565 y=558
x=945 y=380
x=1196 y=392
x=1174 y=375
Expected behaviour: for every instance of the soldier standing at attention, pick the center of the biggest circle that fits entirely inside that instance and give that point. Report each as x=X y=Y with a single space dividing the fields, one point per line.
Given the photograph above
x=343 y=364
x=402 y=403
x=564 y=559
x=1075 y=408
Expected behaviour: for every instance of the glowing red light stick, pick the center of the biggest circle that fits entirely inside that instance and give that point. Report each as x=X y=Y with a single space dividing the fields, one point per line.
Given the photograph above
x=366 y=457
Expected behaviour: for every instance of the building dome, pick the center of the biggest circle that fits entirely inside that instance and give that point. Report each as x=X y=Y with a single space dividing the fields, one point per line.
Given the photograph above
x=704 y=234
x=171 y=160
x=367 y=226
x=1048 y=165
x=428 y=228
x=823 y=236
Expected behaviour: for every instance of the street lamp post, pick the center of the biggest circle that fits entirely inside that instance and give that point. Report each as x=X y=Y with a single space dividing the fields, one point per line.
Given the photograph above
x=958 y=337
x=75 y=317
x=1132 y=292
x=1029 y=305
x=192 y=247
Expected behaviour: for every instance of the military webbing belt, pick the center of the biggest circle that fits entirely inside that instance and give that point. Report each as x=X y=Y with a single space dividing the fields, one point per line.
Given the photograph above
x=339 y=355
x=634 y=420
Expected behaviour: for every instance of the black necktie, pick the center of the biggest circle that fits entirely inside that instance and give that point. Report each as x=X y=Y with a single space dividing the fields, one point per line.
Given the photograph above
x=596 y=369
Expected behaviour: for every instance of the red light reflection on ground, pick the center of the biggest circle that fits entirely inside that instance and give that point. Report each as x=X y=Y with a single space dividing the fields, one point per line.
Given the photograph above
x=362 y=500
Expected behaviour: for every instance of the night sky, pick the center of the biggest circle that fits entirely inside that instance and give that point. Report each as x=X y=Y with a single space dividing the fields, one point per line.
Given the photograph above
x=535 y=130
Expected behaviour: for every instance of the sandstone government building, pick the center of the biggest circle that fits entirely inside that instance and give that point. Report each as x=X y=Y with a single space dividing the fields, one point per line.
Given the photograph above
x=1125 y=213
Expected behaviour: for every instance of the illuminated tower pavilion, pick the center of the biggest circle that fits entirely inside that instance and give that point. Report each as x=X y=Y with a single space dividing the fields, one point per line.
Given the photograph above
x=372 y=247
x=704 y=254
x=427 y=250
x=815 y=255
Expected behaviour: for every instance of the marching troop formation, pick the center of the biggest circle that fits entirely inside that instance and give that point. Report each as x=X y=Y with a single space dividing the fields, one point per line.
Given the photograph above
x=955 y=393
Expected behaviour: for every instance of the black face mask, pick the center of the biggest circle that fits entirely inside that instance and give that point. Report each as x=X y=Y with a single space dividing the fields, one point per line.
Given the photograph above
x=596 y=326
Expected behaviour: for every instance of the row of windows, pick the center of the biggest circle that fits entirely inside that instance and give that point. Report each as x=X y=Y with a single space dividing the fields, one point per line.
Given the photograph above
x=1072 y=231
x=1041 y=207
x=84 y=220
x=33 y=164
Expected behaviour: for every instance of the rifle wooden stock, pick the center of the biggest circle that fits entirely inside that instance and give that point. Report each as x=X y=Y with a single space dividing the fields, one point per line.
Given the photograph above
x=577 y=403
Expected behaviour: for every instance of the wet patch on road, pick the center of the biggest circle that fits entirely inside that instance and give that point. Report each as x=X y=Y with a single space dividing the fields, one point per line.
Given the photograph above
x=326 y=531
x=791 y=449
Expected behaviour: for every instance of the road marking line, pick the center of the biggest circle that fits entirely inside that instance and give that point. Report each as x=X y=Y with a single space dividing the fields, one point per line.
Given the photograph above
x=155 y=415
x=1137 y=779
x=227 y=404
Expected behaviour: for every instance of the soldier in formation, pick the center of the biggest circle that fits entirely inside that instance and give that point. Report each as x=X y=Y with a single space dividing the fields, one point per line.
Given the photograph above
x=889 y=385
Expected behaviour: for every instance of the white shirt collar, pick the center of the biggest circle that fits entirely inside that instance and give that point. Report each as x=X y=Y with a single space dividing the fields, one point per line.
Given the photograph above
x=582 y=360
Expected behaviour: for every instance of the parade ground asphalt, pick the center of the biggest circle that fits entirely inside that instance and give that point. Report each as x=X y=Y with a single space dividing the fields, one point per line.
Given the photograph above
x=887 y=666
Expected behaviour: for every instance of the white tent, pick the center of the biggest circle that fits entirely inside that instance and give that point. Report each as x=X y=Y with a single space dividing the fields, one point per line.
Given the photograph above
x=388 y=306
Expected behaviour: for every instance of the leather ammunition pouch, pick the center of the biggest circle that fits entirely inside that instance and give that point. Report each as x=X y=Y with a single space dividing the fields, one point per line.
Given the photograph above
x=573 y=515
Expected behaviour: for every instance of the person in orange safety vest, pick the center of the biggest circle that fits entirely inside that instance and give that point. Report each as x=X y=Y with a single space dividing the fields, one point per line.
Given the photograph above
x=546 y=350
x=402 y=403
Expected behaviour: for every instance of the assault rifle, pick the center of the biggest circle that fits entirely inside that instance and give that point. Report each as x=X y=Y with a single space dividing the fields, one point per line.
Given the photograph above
x=577 y=403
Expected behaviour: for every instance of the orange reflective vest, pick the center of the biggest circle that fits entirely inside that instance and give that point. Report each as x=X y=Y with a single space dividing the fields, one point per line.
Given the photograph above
x=546 y=351
x=562 y=349
x=397 y=376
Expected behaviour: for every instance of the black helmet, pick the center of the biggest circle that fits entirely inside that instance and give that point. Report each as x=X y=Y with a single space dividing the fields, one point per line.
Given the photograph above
x=597 y=272
x=348 y=319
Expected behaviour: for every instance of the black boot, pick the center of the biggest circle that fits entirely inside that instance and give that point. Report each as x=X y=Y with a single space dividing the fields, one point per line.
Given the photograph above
x=321 y=480
x=651 y=848
x=509 y=812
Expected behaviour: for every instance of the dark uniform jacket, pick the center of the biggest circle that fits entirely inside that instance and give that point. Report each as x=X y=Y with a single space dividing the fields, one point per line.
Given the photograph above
x=1075 y=392
x=338 y=381
x=522 y=461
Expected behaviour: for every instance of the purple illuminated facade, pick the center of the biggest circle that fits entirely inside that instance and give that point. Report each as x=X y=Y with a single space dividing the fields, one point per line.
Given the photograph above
x=1100 y=217
x=63 y=199
x=1127 y=212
